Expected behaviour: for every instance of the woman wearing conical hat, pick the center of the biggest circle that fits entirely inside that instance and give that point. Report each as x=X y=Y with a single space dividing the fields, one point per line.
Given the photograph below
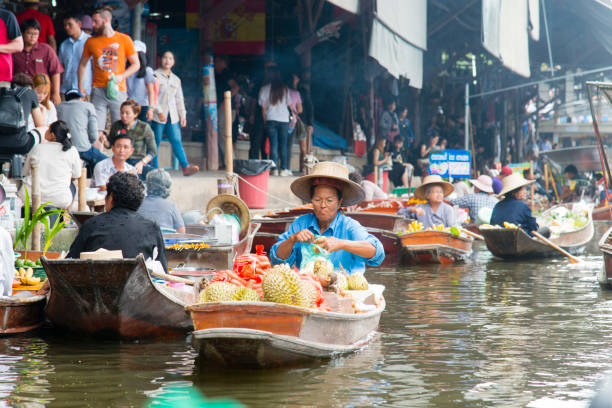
x=328 y=188
x=435 y=211
x=513 y=208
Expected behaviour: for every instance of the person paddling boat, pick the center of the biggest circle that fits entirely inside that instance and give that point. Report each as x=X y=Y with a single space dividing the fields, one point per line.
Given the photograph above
x=350 y=245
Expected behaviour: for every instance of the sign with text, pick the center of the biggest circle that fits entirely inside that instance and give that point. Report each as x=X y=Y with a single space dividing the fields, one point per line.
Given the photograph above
x=451 y=163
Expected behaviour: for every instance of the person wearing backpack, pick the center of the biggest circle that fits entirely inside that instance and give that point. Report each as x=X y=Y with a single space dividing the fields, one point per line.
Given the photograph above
x=16 y=105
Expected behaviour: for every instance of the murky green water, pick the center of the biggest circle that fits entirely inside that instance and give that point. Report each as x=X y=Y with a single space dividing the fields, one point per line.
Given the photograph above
x=485 y=334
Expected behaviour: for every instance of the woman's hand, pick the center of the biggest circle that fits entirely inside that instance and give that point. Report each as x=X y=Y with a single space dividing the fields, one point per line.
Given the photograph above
x=139 y=166
x=150 y=114
x=183 y=122
x=304 y=235
x=330 y=244
x=418 y=211
x=162 y=117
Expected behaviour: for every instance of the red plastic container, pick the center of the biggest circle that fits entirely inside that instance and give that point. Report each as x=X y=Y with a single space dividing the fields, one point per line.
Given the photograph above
x=370 y=177
x=251 y=196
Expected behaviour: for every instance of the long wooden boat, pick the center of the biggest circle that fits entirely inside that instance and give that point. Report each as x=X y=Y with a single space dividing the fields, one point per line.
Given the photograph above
x=21 y=314
x=604 y=276
x=79 y=217
x=602 y=213
x=434 y=247
x=381 y=221
x=218 y=257
x=114 y=298
x=264 y=334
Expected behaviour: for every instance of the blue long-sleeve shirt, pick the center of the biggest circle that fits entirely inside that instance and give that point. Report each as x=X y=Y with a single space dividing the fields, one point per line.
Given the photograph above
x=342 y=227
x=516 y=212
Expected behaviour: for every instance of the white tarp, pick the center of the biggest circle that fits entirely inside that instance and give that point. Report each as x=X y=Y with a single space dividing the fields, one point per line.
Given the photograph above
x=399 y=37
x=348 y=5
x=505 y=33
x=534 y=19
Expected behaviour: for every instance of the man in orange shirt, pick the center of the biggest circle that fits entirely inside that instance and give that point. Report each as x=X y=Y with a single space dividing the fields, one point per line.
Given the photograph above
x=109 y=50
x=47 y=32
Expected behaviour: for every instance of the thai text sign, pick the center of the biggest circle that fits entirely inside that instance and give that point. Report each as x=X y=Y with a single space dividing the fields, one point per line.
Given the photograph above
x=451 y=163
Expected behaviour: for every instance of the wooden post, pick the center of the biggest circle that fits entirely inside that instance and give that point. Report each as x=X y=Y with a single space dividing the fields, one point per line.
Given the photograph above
x=229 y=161
x=223 y=187
x=37 y=232
x=83 y=190
x=531 y=177
x=546 y=177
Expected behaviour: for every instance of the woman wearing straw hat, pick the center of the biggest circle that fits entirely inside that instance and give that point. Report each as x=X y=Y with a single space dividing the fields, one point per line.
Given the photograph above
x=435 y=211
x=481 y=198
x=350 y=245
x=513 y=208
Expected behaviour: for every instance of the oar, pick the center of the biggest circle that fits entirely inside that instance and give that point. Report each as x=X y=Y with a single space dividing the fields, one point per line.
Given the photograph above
x=472 y=234
x=571 y=257
x=171 y=278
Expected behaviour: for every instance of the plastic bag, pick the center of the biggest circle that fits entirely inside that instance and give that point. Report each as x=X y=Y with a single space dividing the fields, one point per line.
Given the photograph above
x=311 y=253
x=154 y=265
x=252 y=167
x=112 y=88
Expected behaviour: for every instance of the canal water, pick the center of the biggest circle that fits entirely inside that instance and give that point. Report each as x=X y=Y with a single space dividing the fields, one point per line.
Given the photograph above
x=484 y=334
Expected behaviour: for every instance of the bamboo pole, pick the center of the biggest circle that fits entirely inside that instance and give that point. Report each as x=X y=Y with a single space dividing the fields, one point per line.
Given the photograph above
x=531 y=177
x=554 y=184
x=37 y=232
x=229 y=162
x=83 y=190
x=546 y=177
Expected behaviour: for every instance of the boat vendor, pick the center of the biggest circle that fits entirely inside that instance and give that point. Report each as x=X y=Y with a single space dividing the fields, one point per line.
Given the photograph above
x=568 y=193
x=350 y=245
x=513 y=209
x=121 y=227
x=482 y=197
x=435 y=211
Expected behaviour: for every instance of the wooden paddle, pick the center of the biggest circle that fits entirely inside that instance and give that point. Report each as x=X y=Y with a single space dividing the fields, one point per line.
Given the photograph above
x=472 y=234
x=571 y=257
x=171 y=278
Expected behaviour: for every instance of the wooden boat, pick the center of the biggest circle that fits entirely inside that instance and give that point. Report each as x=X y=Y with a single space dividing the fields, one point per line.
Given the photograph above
x=218 y=257
x=604 y=276
x=472 y=228
x=274 y=225
x=21 y=313
x=602 y=213
x=79 y=217
x=114 y=298
x=434 y=247
x=264 y=334
x=380 y=221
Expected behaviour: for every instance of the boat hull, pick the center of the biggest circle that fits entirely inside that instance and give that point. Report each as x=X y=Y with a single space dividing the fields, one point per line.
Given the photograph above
x=115 y=299
x=604 y=277
x=20 y=315
x=262 y=334
x=434 y=247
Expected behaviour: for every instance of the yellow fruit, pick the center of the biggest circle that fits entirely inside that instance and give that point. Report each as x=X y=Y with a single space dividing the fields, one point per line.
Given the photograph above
x=217 y=292
x=356 y=281
x=310 y=294
x=246 y=295
x=282 y=285
x=32 y=281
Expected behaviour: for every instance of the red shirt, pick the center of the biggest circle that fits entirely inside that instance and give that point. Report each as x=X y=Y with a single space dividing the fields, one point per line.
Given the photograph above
x=41 y=59
x=46 y=25
x=9 y=30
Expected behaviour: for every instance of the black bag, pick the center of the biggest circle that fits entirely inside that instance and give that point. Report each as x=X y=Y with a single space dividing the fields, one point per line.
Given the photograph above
x=12 y=116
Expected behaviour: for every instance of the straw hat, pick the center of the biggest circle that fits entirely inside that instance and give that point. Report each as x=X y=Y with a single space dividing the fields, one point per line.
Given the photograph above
x=513 y=182
x=483 y=183
x=434 y=179
x=230 y=204
x=332 y=174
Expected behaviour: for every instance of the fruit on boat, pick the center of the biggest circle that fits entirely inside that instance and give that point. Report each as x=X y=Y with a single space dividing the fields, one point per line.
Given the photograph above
x=26 y=277
x=357 y=281
x=310 y=294
x=217 y=292
x=282 y=285
x=323 y=269
x=246 y=295
x=342 y=281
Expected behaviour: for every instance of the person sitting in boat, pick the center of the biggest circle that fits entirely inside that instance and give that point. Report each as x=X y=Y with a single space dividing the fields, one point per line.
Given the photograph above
x=156 y=205
x=568 y=193
x=481 y=198
x=121 y=227
x=435 y=211
x=350 y=245
x=513 y=209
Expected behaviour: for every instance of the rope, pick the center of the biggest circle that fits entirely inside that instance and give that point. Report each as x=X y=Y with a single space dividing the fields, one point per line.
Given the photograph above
x=262 y=191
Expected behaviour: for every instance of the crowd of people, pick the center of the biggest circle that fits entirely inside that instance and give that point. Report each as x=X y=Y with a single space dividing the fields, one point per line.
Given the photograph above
x=94 y=74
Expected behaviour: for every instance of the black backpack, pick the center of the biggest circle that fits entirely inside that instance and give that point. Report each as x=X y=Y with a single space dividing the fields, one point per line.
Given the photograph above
x=12 y=116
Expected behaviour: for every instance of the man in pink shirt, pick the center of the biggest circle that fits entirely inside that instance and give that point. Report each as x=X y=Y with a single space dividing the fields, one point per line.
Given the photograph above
x=47 y=32
x=10 y=43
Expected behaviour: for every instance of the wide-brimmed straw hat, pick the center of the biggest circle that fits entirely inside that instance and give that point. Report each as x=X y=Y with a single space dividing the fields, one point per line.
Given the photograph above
x=330 y=174
x=513 y=182
x=483 y=183
x=434 y=179
x=230 y=204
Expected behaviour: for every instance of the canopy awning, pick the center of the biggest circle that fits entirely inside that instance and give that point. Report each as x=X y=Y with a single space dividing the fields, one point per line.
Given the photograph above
x=399 y=38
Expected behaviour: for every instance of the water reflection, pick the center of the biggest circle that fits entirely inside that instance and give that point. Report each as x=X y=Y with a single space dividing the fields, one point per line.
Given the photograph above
x=488 y=333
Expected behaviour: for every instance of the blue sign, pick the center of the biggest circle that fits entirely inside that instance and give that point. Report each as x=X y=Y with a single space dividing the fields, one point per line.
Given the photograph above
x=451 y=163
